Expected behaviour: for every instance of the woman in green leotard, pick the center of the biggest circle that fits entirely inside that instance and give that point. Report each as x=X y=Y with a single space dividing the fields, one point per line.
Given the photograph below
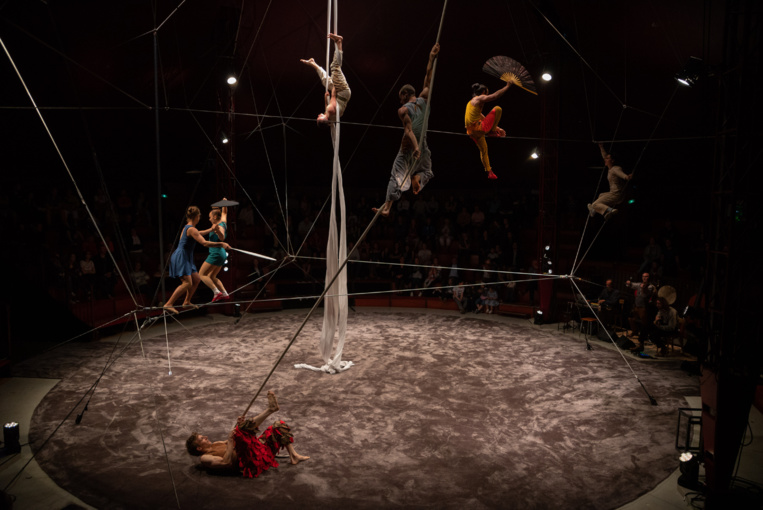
x=216 y=259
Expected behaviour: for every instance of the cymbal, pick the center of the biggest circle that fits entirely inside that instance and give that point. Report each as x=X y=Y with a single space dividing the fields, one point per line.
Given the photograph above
x=225 y=203
x=667 y=293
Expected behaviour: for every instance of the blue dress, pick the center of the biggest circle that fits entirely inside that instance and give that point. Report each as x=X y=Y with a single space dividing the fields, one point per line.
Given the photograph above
x=218 y=255
x=181 y=262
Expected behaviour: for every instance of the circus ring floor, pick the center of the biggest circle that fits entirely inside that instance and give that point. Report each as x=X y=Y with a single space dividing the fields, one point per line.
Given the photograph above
x=441 y=410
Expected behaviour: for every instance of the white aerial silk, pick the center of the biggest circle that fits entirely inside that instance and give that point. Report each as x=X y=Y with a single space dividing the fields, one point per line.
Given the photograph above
x=335 y=302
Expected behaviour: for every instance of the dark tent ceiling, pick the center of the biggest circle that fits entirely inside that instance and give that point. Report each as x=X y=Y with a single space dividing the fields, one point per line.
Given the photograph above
x=90 y=67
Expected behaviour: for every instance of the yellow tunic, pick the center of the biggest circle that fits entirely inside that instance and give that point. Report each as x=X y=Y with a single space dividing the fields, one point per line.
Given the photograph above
x=473 y=115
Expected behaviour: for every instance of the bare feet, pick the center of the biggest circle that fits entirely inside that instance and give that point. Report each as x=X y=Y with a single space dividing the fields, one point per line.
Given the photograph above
x=416 y=184
x=296 y=459
x=294 y=456
x=309 y=62
x=491 y=175
x=497 y=132
x=170 y=309
x=190 y=305
x=384 y=211
x=337 y=39
x=272 y=402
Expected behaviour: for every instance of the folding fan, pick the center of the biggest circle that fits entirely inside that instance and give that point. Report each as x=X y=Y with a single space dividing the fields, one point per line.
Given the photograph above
x=509 y=70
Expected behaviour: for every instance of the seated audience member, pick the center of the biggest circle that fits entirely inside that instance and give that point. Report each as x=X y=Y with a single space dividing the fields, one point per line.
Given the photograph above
x=661 y=329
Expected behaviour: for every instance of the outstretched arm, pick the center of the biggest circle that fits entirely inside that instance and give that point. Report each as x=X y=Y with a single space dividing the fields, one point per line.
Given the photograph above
x=197 y=236
x=430 y=67
x=477 y=100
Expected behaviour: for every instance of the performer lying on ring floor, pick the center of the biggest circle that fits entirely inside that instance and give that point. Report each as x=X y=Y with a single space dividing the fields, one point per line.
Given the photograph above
x=243 y=449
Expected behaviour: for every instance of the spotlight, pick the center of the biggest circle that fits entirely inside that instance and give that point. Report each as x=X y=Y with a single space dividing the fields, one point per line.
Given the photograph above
x=231 y=79
x=535 y=154
x=223 y=138
x=546 y=76
x=11 y=438
x=548 y=247
x=225 y=268
x=689 y=468
x=691 y=73
x=538 y=319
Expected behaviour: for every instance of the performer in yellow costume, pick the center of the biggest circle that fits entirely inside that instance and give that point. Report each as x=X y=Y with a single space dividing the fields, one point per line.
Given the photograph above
x=479 y=126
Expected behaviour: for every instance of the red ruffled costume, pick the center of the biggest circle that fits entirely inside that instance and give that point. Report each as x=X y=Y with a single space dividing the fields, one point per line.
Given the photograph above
x=258 y=454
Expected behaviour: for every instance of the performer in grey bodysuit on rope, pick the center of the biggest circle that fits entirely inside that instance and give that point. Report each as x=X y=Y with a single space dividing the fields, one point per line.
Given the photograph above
x=412 y=116
x=605 y=204
x=338 y=92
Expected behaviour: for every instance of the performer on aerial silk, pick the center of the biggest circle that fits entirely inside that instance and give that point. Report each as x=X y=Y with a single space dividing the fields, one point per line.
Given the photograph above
x=338 y=92
x=335 y=304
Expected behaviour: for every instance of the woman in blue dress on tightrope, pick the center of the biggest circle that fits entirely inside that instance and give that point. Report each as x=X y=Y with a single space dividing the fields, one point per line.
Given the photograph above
x=181 y=262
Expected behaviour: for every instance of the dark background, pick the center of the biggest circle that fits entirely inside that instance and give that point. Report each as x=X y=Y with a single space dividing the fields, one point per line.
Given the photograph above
x=90 y=67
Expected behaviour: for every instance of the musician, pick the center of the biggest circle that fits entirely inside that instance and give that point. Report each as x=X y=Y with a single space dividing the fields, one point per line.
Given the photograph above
x=609 y=302
x=645 y=292
x=609 y=295
x=662 y=328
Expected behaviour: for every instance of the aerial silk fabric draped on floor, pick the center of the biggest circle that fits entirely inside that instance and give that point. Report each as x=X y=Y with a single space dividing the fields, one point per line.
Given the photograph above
x=335 y=303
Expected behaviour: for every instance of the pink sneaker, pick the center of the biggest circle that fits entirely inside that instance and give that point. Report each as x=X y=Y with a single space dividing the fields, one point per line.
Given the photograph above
x=218 y=297
x=491 y=175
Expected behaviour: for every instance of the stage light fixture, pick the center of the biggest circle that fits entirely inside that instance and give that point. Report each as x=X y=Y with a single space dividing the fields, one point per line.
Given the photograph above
x=11 y=438
x=548 y=247
x=223 y=138
x=691 y=73
x=225 y=268
x=546 y=76
x=231 y=79
x=538 y=319
x=535 y=154
x=689 y=468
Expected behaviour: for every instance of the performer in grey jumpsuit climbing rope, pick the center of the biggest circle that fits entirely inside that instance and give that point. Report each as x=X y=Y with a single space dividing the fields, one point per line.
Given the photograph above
x=412 y=116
